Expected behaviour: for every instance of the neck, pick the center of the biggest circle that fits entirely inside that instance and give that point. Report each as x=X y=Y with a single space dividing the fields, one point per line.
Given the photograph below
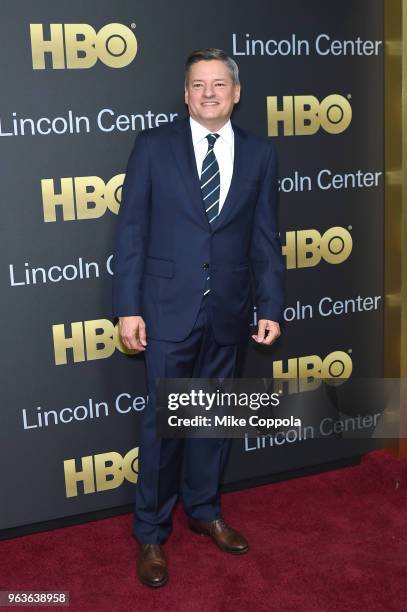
x=212 y=126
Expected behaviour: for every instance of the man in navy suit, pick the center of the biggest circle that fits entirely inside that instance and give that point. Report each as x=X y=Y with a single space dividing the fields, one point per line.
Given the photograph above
x=197 y=223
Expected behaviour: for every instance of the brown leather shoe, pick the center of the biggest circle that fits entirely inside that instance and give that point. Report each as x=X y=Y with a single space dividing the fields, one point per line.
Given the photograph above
x=228 y=539
x=152 y=565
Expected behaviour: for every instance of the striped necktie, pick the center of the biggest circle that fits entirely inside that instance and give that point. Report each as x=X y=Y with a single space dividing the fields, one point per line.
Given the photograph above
x=210 y=180
x=210 y=186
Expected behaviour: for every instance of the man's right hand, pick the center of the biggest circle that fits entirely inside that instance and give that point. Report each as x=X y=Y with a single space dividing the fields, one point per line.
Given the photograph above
x=132 y=331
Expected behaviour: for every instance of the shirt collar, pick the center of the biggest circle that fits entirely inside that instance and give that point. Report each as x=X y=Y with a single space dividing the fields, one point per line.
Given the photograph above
x=199 y=132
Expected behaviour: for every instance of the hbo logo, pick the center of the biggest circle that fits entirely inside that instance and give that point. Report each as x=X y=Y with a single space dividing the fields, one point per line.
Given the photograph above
x=306 y=248
x=89 y=340
x=78 y=45
x=305 y=115
x=306 y=373
x=82 y=197
x=101 y=472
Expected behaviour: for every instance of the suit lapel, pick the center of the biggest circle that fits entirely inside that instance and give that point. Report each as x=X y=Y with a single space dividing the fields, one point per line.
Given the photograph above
x=183 y=150
x=238 y=167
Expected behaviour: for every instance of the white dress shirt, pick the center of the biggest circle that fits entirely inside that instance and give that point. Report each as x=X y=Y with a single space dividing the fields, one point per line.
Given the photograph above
x=223 y=149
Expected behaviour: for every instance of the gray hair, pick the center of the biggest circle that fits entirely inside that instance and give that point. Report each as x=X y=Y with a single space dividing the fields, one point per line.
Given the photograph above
x=212 y=54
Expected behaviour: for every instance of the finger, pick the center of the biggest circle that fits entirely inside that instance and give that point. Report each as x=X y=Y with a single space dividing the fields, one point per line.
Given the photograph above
x=269 y=339
x=137 y=344
x=257 y=339
x=129 y=343
x=261 y=331
x=142 y=334
x=274 y=336
x=132 y=343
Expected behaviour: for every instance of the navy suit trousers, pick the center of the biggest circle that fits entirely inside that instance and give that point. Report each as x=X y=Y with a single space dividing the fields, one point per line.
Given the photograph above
x=191 y=467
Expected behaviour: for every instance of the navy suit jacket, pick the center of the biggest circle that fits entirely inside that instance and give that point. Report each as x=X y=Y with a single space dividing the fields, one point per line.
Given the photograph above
x=165 y=246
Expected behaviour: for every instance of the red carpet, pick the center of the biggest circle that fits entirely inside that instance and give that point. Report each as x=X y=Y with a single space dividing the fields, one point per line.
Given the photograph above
x=326 y=543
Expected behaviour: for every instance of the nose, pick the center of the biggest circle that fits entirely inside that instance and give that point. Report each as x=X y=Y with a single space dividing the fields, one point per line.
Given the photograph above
x=209 y=91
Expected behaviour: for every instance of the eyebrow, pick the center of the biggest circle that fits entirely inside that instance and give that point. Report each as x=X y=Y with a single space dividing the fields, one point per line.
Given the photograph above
x=202 y=80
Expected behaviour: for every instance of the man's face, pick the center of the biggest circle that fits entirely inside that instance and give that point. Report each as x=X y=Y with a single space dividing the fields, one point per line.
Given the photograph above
x=210 y=93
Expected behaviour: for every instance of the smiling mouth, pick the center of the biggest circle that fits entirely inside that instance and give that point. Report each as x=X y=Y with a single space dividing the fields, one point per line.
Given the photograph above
x=209 y=103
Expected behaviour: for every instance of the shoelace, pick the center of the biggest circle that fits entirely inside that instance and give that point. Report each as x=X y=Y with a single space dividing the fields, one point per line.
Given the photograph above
x=219 y=522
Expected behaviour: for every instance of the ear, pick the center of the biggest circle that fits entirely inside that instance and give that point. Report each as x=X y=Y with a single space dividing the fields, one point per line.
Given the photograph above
x=237 y=93
x=186 y=97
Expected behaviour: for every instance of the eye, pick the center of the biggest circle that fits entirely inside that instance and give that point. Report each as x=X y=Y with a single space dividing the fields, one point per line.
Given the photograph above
x=197 y=85
x=220 y=84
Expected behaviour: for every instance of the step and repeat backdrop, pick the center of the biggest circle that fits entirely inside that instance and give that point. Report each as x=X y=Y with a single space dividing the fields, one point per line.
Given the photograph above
x=79 y=83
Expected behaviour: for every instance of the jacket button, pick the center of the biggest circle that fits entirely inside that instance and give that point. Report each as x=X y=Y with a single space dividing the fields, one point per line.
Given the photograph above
x=205 y=266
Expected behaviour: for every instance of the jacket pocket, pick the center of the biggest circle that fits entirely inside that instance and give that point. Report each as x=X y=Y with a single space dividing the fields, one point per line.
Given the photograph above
x=241 y=267
x=159 y=267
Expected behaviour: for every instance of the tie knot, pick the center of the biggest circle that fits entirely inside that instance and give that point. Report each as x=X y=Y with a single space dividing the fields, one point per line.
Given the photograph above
x=211 y=140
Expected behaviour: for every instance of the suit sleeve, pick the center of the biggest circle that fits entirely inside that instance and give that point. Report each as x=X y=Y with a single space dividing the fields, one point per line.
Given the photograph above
x=132 y=231
x=267 y=262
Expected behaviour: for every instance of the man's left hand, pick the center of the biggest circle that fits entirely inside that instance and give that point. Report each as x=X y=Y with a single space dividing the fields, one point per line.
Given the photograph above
x=268 y=332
